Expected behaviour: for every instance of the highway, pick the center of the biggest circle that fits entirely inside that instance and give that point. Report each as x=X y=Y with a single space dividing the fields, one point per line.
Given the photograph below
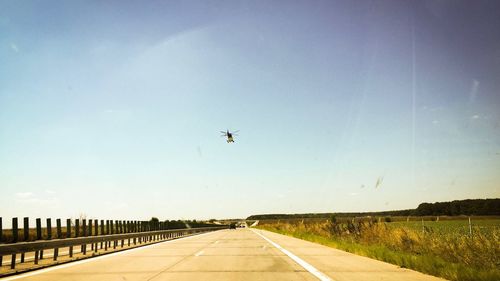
x=242 y=254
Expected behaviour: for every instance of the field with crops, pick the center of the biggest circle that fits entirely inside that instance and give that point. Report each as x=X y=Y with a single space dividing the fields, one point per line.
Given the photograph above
x=448 y=248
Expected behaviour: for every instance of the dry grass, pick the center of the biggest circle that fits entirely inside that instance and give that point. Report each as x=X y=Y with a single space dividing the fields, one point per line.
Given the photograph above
x=451 y=255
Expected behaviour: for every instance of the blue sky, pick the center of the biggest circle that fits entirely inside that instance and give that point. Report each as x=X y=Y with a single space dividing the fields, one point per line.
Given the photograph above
x=113 y=109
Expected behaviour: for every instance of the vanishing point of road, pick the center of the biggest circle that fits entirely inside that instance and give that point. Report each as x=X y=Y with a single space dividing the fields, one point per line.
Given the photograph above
x=242 y=254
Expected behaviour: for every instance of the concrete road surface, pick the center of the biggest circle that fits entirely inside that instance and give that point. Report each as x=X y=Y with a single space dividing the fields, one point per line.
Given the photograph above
x=242 y=254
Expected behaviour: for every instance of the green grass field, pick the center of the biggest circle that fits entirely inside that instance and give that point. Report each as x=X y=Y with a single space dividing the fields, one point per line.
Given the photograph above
x=459 y=227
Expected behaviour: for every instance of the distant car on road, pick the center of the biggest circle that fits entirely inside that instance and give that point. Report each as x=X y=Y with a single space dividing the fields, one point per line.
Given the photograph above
x=232 y=225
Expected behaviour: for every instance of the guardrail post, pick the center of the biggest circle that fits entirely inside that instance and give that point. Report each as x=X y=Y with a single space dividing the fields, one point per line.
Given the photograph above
x=59 y=236
x=38 y=229
x=38 y=254
x=14 y=230
x=83 y=248
x=108 y=231
x=102 y=230
x=90 y=234
x=49 y=229
x=14 y=240
x=26 y=229
x=58 y=227
x=26 y=234
x=68 y=228
x=77 y=228
x=56 y=253
x=36 y=257
x=96 y=233
x=13 y=262
x=77 y=234
x=58 y=233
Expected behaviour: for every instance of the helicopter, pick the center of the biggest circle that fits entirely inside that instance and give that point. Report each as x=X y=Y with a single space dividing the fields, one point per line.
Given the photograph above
x=229 y=135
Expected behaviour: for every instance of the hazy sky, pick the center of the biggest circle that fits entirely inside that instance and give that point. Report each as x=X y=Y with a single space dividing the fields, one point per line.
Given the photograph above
x=113 y=108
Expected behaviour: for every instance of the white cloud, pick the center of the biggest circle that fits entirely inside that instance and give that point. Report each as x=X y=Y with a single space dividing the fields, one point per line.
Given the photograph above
x=30 y=198
x=14 y=47
x=24 y=195
x=475 y=116
x=49 y=191
x=353 y=193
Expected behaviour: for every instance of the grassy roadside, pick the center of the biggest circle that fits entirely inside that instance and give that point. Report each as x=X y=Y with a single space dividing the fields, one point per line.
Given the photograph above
x=424 y=261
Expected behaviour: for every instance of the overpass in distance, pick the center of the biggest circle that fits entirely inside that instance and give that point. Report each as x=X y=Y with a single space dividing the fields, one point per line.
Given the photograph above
x=241 y=254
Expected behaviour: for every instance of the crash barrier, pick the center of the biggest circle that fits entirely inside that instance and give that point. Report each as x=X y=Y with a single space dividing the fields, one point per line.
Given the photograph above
x=96 y=242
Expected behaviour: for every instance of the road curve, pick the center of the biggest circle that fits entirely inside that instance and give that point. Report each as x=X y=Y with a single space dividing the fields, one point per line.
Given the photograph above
x=241 y=254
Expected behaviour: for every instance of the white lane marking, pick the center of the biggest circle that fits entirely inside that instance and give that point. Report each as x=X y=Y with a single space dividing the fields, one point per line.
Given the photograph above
x=216 y=242
x=264 y=247
x=321 y=276
x=199 y=253
x=40 y=271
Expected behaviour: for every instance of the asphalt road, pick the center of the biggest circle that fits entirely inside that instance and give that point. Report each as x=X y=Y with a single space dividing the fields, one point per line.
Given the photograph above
x=241 y=254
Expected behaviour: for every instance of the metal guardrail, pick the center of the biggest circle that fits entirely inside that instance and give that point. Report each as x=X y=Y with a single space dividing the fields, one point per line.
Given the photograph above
x=103 y=240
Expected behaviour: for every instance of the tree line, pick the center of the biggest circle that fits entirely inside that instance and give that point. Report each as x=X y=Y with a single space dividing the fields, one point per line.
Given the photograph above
x=179 y=224
x=469 y=207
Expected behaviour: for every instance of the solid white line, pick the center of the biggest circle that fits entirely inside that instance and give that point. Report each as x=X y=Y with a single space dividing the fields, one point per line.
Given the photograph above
x=321 y=276
x=199 y=253
x=40 y=271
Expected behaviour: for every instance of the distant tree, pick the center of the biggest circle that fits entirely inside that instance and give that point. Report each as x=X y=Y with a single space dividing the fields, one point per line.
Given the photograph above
x=477 y=207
